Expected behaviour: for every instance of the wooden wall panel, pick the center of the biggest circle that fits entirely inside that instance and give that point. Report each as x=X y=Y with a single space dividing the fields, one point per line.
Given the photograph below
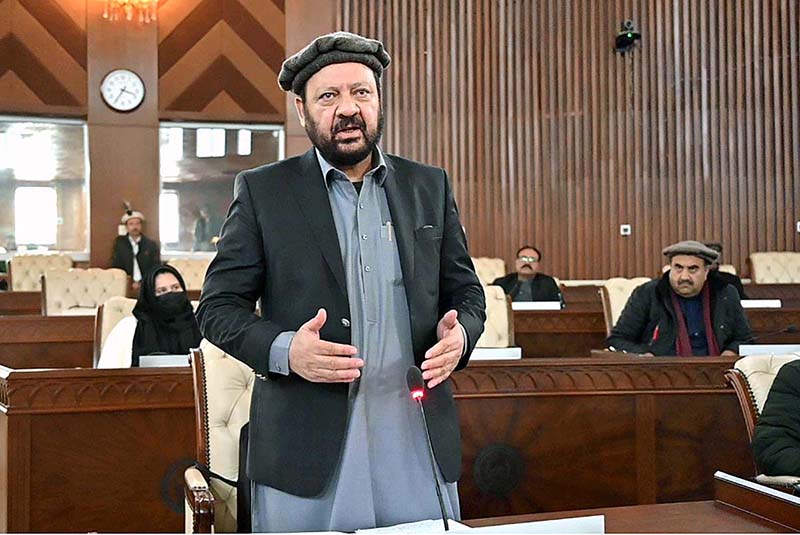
x=43 y=56
x=219 y=59
x=553 y=139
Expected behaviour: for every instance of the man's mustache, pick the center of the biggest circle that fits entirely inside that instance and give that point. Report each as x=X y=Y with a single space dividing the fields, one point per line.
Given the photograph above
x=349 y=122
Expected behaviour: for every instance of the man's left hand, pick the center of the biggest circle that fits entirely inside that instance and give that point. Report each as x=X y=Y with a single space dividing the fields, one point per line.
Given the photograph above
x=442 y=358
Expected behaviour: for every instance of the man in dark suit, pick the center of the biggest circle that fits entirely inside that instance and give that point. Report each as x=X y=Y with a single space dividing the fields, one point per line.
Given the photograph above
x=527 y=283
x=360 y=263
x=134 y=252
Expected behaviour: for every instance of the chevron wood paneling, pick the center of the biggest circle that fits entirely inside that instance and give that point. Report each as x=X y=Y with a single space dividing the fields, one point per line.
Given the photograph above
x=43 y=56
x=219 y=59
x=552 y=138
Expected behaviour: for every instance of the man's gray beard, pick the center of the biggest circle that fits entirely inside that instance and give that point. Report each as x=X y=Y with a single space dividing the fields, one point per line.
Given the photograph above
x=330 y=148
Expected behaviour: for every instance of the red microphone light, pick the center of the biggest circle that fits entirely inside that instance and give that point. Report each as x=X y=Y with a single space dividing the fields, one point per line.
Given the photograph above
x=417 y=393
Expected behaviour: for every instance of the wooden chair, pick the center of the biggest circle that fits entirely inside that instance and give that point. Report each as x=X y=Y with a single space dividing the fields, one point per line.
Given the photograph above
x=751 y=378
x=223 y=387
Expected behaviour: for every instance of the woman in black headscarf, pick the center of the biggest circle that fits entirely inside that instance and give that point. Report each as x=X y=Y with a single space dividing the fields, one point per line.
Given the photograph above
x=165 y=319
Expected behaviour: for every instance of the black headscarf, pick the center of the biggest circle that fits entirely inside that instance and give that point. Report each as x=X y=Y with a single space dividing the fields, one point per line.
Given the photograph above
x=165 y=324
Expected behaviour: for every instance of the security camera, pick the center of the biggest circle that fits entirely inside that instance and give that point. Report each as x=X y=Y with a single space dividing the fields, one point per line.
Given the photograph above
x=627 y=37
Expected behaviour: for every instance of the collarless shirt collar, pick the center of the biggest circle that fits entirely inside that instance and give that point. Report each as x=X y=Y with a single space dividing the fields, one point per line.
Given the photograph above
x=329 y=172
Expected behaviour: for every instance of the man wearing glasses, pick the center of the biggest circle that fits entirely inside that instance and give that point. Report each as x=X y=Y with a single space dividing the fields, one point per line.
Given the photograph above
x=527 y=284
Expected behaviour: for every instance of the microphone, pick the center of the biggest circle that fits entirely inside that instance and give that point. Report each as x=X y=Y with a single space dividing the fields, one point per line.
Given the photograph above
x=416 y=386
x=787 y=329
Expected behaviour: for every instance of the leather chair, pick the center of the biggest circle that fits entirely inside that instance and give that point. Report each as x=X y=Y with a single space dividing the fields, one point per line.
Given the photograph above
x=775 y=267
x=614 y=294
x=193 y=271
x=108 y=315
x=489 y=269
x=752 y=377
x=223 y=387
x=26 y=270
x=499 y=326
x=78 y=292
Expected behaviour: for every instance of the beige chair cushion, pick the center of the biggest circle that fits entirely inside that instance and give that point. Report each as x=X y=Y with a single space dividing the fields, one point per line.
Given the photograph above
x=728 y=268
x=497 y=330
x=489 y=269
x=114 y=310
x=775 y=267
x=193 y=271
x=760 y=372
x=27 y=270
x=81 y=290
x=118 y=349
x=229 y=387
x=619 y=290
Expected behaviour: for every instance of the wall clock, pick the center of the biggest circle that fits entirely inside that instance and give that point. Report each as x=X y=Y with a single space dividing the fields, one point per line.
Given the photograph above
x=122 y=90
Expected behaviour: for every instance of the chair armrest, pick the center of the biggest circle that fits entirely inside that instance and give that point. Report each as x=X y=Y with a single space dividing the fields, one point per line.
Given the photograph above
x=200 y=500
x=792 y=482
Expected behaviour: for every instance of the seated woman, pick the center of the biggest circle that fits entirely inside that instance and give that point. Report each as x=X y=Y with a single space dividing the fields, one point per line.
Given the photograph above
x=163 y=322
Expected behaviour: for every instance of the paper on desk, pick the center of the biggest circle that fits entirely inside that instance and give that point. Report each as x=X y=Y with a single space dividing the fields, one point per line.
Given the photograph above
x=581 y=524
x=423 y=526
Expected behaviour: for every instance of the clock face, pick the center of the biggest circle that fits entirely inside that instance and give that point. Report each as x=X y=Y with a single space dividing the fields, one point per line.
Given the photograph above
x=122 y=90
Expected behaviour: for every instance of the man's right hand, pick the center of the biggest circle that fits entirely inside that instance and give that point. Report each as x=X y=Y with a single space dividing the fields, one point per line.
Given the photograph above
x=319 y=361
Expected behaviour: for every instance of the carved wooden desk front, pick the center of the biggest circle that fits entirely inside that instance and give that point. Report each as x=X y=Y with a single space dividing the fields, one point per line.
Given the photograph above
x=545 y=435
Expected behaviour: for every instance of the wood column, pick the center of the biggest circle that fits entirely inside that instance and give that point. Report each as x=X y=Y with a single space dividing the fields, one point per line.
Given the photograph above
x=123 y=147
x=305 y=20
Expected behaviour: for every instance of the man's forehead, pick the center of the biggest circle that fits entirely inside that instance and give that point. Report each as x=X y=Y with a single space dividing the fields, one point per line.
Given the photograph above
x=687 y=260
x=527 y=252
x=342 y=75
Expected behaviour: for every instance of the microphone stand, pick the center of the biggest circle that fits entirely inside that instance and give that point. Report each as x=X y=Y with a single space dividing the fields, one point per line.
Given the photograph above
x=433 y=465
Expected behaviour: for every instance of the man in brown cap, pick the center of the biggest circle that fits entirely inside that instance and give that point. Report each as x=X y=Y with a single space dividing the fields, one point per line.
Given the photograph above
x=683 y=313
x=361 y=266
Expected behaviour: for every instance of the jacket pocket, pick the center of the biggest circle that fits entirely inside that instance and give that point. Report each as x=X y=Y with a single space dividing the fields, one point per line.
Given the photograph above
x=428 y=232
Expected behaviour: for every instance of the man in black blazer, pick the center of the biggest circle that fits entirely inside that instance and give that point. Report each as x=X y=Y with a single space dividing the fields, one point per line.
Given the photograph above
x=299 y=238
x=134 y=252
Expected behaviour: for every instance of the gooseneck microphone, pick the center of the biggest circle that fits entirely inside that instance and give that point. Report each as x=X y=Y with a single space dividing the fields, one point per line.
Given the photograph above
x=787 y=329
x=416 y=386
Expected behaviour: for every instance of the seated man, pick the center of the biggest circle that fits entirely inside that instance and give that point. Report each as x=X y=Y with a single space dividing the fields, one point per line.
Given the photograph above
x=527 y=284
x=727 y=278
x=684 y=312
x=776 y=441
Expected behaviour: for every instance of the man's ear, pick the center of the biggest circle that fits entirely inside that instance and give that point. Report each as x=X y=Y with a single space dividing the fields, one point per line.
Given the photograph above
x=298 y=105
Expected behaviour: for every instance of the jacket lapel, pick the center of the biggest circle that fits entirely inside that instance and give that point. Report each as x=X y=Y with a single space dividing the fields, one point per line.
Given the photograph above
x=313 y=199
x=400 y=197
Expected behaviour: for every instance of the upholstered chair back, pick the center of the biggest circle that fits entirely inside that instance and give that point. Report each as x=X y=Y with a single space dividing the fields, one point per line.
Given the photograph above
x=81 y=291
x=615 y=293
x=489 y=269
x=499 y=327
x=728 y=268
x=775 y=267
x=223 y=387
x=108 y=315
x=27 y=270
x=193 y=271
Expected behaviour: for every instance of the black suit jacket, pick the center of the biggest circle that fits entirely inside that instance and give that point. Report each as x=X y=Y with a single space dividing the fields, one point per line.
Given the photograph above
x=279 y=245
x=149 y=254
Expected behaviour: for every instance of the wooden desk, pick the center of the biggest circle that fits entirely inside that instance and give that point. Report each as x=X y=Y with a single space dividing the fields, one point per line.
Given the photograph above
x=558 y=333
x=46 y=342
x=768 y=320
x=542 y=435
x=20 y=303
x=94 y=450
x=735 y=510
x=789 y=294
x=582 y=298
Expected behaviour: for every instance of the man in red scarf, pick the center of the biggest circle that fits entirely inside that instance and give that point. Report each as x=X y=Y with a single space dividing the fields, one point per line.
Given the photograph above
x=684 y=312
